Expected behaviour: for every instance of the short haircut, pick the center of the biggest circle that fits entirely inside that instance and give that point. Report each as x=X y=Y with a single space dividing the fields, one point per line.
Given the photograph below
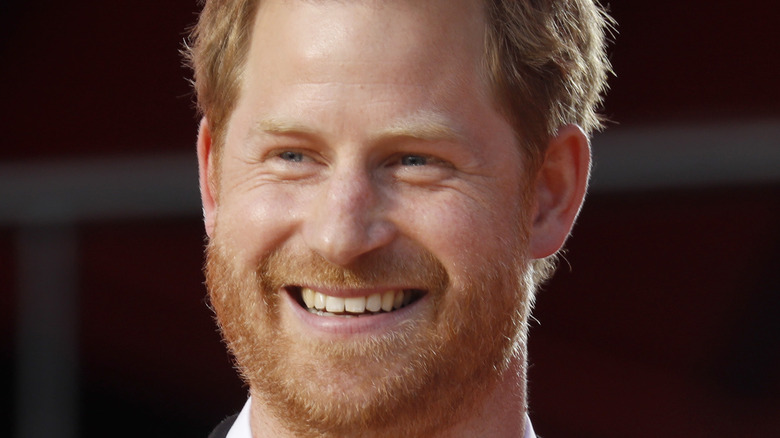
x=545 y=60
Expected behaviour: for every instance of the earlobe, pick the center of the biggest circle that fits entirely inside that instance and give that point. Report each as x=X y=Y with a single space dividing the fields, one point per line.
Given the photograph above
x=206 y=175
x=561 y=184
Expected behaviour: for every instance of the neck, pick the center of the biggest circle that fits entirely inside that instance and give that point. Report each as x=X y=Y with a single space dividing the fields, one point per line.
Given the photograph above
x=502 y=411
x=499 y=413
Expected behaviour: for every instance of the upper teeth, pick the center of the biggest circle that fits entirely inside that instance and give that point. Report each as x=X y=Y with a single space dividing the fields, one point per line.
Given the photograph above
x=387 y=301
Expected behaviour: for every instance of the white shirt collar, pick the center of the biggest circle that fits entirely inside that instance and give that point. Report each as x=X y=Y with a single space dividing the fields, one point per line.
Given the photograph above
x=529 y=428
x=242 y=429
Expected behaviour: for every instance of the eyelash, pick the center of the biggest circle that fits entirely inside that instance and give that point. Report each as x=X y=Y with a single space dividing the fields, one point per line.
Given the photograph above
x=414 y=160
x=291 y=156
x=424 y=161
x=409 y=160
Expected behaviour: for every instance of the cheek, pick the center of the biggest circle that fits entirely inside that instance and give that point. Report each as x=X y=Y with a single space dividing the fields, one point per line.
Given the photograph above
x=463 y=233
x=257 y=221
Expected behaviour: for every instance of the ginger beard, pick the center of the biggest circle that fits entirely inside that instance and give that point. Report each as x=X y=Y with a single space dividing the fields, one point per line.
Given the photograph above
x=416 y=379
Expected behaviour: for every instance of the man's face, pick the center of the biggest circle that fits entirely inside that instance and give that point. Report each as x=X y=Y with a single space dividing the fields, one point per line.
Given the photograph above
x=364 y=167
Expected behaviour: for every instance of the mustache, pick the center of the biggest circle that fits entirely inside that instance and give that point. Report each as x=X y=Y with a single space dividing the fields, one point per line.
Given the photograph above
x=418 y=269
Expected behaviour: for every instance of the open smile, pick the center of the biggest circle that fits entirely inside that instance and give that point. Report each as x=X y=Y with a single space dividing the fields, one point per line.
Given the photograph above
x=321 y=304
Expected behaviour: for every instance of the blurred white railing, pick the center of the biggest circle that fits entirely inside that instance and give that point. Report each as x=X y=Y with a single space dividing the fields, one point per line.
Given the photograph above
x=42 y=201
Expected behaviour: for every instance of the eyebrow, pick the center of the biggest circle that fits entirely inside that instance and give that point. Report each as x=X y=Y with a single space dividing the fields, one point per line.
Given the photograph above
x=277 y=126
x=422 y=126
x=429 y=127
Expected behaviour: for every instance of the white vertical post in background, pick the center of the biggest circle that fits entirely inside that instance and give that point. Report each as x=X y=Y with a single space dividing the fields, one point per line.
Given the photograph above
x=46 y=339
x=43 y=203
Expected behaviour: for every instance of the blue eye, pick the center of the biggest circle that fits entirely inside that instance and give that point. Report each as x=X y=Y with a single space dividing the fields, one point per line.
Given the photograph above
x=414 y=160
x=295 y=157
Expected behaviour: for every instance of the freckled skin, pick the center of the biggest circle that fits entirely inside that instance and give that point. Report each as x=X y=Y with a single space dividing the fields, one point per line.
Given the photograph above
x=364 y=129
x=343 y=85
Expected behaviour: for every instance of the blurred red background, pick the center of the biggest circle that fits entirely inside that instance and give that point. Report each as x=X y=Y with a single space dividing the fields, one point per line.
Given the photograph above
x=660 y=322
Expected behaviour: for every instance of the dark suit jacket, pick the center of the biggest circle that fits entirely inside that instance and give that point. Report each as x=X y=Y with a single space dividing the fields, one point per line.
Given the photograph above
x=222 y=428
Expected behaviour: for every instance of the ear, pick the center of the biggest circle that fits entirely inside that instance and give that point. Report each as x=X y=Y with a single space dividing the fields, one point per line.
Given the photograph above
x=206 y=176
x=560 y=189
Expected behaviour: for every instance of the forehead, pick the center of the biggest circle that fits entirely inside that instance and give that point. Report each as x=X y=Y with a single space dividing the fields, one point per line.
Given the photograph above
x=380 y=23
x=416 y=42
x=355 y=69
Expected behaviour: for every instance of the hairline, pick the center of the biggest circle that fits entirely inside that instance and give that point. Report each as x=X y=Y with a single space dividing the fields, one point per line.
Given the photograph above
x=489 y=79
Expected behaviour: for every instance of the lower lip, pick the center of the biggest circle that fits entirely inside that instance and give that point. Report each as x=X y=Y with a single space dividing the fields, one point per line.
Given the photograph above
x=340 y=326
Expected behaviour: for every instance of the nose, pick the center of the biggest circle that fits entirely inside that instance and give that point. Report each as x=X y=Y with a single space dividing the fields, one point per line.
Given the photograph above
x=348 y=218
